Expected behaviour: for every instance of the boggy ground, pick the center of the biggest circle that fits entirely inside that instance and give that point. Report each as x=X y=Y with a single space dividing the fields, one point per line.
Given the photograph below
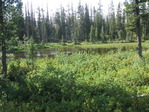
x=81 y=82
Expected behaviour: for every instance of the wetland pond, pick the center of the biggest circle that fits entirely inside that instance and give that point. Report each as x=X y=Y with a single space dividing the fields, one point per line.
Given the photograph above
x=51 y=52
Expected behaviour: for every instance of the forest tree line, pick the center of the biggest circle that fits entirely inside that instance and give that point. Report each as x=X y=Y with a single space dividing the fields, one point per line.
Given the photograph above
x=81 y=24
x=84 y=23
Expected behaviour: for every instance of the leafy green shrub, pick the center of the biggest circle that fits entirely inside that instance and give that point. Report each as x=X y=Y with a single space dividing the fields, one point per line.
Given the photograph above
x=81 y=82
x=17 y=71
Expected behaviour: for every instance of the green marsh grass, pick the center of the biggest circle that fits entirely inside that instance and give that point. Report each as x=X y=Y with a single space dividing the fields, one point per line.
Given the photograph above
x=81 y=82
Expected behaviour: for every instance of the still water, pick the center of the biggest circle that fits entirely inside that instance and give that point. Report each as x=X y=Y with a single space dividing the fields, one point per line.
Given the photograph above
x=51 y=52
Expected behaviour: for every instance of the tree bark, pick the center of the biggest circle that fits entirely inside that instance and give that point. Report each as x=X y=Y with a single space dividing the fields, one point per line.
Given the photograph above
x=138 y=26
x=4 y=57
x=3 y=42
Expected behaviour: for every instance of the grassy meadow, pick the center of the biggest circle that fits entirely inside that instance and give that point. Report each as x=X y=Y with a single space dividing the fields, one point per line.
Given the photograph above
x=81 y=82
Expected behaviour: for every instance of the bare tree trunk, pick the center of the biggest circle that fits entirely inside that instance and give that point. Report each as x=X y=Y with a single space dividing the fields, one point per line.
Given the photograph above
x=4 y=57
x=3 y=43
x=138 y=26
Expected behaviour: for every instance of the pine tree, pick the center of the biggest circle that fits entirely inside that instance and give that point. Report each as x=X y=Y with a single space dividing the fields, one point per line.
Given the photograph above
x=32 y=24
x=119 y=17
x=147 y=22
x=7 y=26
x=68 y=23
x=47 y=26
x=97 y=26
x=76 y=33
x=87 y=22
x=80 y=19
x=39 y=24
x=71 y=20
x=63 y=23
x=58 y=32
x=134 y=24
x=96 y=33
x=19 y=20
x=107 y=28
x=98 y=21
x=43 y=28
x=92 y=34
x=102 y=34
x=111 y=14
x=144 y=20
x=120 y=29
x=26 y=22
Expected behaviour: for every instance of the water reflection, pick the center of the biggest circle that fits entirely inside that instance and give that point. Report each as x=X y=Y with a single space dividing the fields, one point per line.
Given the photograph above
x=51 y=52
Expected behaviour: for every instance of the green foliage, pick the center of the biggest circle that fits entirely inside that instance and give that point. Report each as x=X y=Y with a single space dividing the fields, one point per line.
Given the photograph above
x=79 y=82
x=121 y=35
x=75 y=24
x=96 y=34
x=30 y=49
x=87 y=23
x=92 y=34
x=103 y=36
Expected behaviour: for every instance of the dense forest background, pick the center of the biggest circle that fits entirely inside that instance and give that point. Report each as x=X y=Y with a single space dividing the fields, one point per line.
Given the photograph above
x=82 y=24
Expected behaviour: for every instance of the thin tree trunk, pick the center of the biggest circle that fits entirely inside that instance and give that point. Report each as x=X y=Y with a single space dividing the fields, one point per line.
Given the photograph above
x=138 y=26
x=3 y=43
x=4 y=57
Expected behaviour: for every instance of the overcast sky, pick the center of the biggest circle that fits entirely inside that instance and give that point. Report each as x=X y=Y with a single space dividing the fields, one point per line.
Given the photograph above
x=55 y=4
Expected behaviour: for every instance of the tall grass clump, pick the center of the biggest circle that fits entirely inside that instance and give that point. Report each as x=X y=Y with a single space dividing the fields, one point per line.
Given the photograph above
x=81 y=82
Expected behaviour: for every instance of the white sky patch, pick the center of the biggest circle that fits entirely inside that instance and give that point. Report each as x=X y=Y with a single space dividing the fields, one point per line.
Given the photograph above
x=53 y=5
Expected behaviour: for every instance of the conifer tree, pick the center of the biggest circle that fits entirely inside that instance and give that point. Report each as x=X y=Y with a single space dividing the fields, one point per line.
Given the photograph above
x=76 y=33
x=80 y=19
x=134 y=24
x=120 y=29
x=26 y=22
x=58 y=32
x=18 y=19
x=39 y=25
x=92 y=34
x=111 y=14
x=98 y=21
x=107 y=28
x=47 y=26
x=32 y=24
x=102 y=34
x=97 y=26
x=87 y=23
x=7 y=26
x=119 y=19
x=63 y=23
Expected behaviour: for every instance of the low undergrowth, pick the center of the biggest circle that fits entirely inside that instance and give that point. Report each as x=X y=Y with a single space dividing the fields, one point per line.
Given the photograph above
x=80 y=82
